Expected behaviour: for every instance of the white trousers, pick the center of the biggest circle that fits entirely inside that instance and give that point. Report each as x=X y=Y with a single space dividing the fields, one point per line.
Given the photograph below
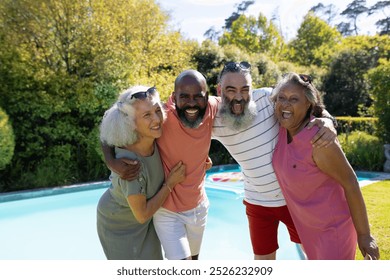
x=181 y=233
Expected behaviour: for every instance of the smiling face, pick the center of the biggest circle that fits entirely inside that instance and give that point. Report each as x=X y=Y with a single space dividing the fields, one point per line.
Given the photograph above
x=148 y=118
x=235 y=89
x=191 y=100
x=291 y=107
x=237 y=109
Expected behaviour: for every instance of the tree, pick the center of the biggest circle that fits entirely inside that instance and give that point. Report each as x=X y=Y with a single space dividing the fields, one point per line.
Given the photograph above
x=329 y=12
x=352 y=12
x=345 y=87
x=255 y=36
x=7 y=141
x=315 y=42
x=346 y=84
x=382 y=24
x=214 y=35
x=62 y=64
x=241 y=8
x=208 y=60
x=345 y=28
x=380 y=91
x=377 y=47
x=265 y=72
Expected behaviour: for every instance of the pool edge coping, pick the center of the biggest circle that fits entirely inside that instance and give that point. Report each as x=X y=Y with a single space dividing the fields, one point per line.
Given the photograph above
x=35 y=193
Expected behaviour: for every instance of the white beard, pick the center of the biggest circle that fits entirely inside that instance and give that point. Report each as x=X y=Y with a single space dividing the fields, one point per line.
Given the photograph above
x=240 y=122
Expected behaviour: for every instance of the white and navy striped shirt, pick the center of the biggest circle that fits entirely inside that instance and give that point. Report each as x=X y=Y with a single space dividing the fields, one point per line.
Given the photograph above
x=252 y=148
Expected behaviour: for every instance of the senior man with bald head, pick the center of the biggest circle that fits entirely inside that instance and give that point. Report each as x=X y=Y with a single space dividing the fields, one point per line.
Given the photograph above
x=186 y=137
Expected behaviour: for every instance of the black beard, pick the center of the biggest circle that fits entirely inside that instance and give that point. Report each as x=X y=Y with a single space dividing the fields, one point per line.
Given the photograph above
x=188 y=123
x=237 y=122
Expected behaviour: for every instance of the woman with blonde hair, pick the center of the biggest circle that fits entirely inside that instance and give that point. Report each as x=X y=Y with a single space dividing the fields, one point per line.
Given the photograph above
x=125 y=210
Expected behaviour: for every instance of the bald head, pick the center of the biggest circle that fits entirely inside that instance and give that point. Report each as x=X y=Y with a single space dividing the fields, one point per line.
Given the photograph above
x=191 y=76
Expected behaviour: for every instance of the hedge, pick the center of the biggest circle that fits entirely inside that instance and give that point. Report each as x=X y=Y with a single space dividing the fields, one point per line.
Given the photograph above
x=349 y=124
x=7 y=140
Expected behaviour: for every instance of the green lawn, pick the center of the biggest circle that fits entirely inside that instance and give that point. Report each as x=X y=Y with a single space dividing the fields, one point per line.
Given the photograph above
x=377 y=198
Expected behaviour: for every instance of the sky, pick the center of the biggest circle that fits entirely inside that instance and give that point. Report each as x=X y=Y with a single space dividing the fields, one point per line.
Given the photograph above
x=194 y=17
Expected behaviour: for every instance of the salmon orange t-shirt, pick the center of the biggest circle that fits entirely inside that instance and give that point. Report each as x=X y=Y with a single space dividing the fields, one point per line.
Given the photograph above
x=191 y=146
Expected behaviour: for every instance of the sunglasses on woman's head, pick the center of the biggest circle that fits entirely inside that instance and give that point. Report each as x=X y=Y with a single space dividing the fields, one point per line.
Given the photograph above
x=143 y=94
x=306 y=78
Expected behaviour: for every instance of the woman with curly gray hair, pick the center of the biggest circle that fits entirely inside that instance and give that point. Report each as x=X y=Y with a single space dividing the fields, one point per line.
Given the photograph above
x=125 y=210
x=320 y=187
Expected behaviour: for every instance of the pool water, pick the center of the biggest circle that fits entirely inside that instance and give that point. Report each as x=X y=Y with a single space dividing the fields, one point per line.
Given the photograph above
x=56 y=227
x=63 y=226
x=362 y=176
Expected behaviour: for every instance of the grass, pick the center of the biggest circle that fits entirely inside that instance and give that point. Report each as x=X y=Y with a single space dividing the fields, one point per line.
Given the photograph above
x=377 y=199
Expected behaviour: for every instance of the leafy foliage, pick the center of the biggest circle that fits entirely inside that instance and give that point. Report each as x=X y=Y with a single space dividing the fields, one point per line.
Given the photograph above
x=355 y=9
x=345 y=84
x=328 y=11
x=363 y=151
x=315 y=42
x=63 y=64
x=208 y=60
x=241 y=8
x=349 y=124
x=267 y=72
x=254 y=36
x=214 y=35
x=380 y=91
x=384 y=23
x=7 y=141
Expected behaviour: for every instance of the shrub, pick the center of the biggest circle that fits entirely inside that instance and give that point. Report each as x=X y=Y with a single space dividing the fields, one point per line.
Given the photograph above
x=219 y=154
x=345 y=86
x=7 y=141
x=55 y=169
x=380 y=90
x=364 y=151
x=349 y=124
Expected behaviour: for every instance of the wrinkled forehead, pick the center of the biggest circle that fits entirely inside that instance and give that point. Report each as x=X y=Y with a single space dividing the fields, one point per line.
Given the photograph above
x=191 y=85
x=293 y=90
x=236 y=75
x=292 y=87
x=147 y=103
x=236 y=80
x=191 y=81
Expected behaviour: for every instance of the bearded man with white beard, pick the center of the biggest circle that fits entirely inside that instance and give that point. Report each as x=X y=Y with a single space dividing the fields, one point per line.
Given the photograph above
x=245 y=124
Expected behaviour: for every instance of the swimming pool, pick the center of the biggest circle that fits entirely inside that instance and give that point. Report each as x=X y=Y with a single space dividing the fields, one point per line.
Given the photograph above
x=59 y=224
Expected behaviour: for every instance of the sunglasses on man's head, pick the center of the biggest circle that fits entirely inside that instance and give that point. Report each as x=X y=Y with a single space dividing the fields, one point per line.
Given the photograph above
x=143 y=94
x=234 y=66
